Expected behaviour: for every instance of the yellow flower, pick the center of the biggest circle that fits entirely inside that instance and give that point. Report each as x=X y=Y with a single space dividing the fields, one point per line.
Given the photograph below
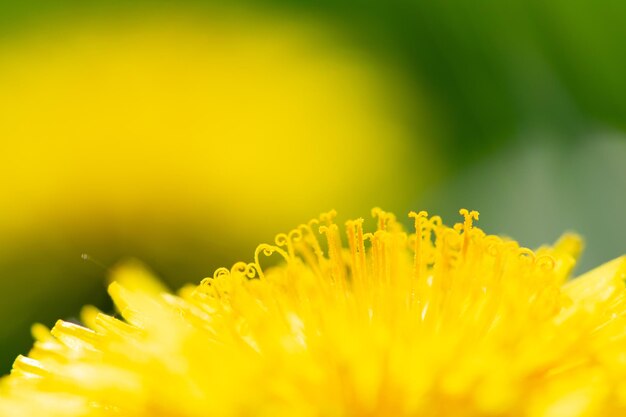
x=445 y=321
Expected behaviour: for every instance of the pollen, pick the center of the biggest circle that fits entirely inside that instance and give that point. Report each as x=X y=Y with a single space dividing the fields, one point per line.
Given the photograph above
x=433 y=320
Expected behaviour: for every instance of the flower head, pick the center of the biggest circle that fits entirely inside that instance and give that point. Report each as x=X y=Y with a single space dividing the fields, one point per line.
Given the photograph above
x=442 y=321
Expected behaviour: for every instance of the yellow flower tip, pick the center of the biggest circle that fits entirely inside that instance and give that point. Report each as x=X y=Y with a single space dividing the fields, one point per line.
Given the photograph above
x=328 y=217
x=595 y=287
x=469 y=214
x=444 y=321
x=40 y=332
x=88 y=316
x=571 y=244
x=419 y=215
x=469 y=217
x=135 y=276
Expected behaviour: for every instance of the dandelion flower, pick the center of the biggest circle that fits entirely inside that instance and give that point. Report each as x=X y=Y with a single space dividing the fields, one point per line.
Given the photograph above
x=441 y=321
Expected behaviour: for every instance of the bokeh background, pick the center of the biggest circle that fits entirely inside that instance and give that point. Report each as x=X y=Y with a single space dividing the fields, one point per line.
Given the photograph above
x=184 y=133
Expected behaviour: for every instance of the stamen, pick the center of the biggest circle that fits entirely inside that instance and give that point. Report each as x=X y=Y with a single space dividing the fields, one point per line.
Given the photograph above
x=288 y=240
x=467 y=226
x=309 y=247
x=334 y=252
x=418 y=262
x=328 y=217
x=267 y=250
x=386 y=220
x=354 y=230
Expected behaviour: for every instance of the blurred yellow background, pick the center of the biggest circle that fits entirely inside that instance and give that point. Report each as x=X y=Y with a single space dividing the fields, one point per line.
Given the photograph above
x=184 y=134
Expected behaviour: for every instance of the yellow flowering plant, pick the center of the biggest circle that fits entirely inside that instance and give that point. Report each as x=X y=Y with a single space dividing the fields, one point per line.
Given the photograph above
x=441 y=321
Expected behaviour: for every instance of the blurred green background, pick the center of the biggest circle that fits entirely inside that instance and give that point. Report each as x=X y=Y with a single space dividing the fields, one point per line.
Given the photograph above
x=183 y=134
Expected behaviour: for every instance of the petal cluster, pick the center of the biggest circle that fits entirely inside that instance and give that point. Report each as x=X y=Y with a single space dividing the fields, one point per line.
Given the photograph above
x=438 y=321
